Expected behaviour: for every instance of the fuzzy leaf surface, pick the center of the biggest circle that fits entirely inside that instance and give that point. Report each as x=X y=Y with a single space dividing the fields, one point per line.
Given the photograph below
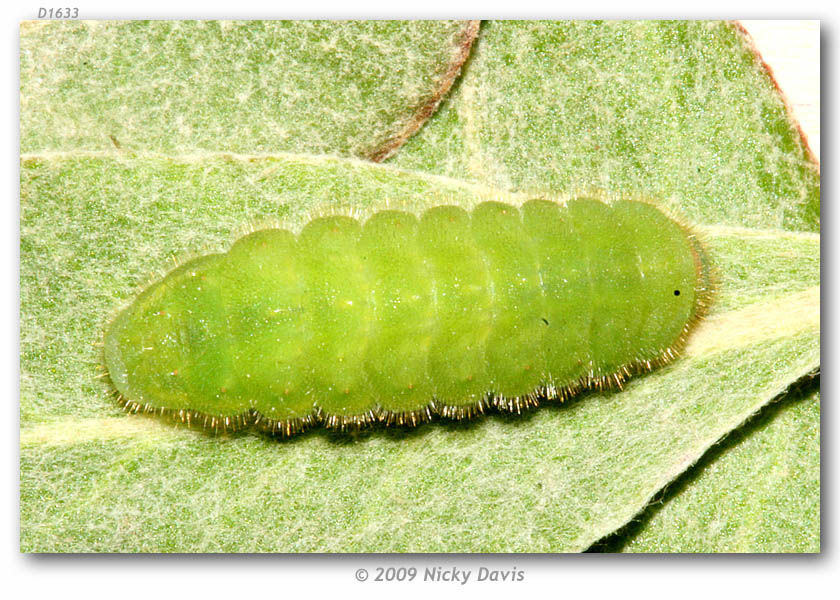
x=679 y=111
x=558 y=478
x=758 y=490
x=354 y=88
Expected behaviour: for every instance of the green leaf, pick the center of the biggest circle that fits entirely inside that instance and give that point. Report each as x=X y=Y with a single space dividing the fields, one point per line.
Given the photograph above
x=182 y=87
x=758 y=490
x=681 y=111
x=130 y=161
x=556 y=479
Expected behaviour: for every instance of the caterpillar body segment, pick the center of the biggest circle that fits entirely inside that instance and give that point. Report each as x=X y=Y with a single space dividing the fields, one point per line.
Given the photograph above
x=404 y=316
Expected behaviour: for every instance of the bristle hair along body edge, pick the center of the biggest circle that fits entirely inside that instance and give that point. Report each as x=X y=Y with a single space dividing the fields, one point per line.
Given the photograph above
x=705 y=289
x=435 y=410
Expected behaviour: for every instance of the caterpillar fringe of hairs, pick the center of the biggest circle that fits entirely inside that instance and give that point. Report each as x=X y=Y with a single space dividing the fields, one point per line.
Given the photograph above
x=406 y=316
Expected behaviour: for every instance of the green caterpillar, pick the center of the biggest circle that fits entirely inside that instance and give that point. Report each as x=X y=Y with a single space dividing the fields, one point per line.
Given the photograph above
x=405 y=316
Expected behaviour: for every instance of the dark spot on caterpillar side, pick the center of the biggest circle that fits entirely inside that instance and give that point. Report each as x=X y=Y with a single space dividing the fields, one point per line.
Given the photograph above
x=676 y=292
x=545 y=321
